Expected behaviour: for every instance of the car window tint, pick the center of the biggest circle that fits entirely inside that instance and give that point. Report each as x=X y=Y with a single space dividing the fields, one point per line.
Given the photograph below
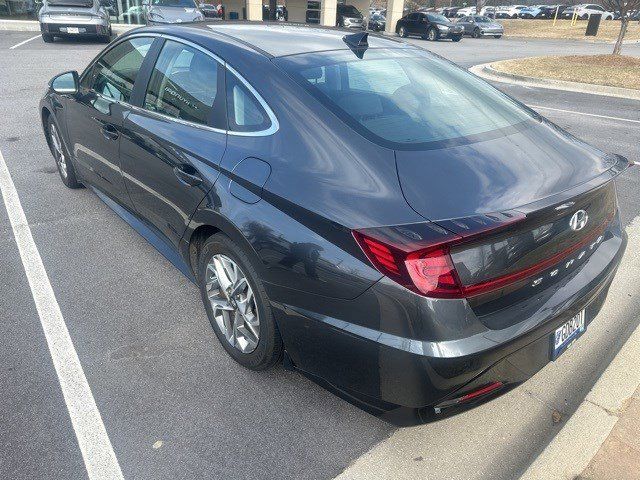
x=114 y=74
x=245 y=114
x=184 y=85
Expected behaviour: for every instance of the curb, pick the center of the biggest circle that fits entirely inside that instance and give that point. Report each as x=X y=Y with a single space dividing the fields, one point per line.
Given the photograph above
x=572 y=449
x=34 y=26
x=486 y=71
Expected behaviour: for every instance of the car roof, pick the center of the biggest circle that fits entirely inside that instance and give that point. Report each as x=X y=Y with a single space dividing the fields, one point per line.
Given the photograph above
x=279 y=40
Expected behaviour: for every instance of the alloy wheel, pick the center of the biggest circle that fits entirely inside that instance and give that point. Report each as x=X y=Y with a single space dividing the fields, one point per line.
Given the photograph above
x=58 y=151
x=233 y=303
x=431 y=35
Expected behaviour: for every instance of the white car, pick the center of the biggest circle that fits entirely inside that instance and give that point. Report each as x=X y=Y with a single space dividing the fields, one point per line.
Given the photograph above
x=510 y=11
x=585 y=10
x=463 y=12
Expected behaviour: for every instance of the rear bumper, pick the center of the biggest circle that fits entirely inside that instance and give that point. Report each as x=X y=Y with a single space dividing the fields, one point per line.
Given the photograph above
x=402 y=379
x=60 y=28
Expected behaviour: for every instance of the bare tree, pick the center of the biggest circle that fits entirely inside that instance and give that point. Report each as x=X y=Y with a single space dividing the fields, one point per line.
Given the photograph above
x=479 y=5
x=624 y=8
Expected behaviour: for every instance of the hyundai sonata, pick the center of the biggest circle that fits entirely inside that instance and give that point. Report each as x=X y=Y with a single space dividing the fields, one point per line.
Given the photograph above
x=358 y=208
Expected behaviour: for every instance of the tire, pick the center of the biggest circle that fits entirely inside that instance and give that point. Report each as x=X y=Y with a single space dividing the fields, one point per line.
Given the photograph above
x=268 y=349
x=105 y=38
x=584 y=17
x=497 y=36
x=457 y=38
x=432 y=34
x=47 y=38
x=514 y=16
x=403 y=32
x=476 y=33
x=60 y=154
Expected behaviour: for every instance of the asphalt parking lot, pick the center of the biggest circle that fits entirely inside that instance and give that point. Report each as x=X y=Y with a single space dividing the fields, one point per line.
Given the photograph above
x=173 y=403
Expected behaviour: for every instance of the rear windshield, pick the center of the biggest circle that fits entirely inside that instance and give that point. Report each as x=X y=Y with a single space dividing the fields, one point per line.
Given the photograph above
x=404 y=97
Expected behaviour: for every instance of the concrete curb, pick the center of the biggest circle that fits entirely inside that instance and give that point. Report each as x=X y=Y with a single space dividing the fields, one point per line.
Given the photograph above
x=571 y=450
x=34 y=26
x=487 y=72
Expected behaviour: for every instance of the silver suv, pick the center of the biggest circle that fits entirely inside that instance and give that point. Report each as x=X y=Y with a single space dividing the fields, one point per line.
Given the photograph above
x=74 y=18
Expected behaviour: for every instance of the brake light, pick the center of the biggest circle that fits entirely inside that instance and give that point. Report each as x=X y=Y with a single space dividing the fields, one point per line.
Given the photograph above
x=429 y=271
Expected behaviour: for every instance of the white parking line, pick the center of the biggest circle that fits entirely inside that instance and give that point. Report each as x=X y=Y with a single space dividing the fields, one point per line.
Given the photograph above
x=620 y=119
x=97 y=452
x=22 y=43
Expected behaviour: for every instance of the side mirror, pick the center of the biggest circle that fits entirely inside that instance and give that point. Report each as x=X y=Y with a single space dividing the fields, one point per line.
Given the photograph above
x=66 y=82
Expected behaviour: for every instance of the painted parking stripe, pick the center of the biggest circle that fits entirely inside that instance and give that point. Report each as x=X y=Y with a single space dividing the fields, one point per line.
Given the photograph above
x=620 y=119
x=97 y=452
x=22 y=43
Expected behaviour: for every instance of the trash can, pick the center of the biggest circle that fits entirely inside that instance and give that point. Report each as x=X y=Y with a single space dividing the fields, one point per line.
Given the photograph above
x=592 y=26
x=233 y=15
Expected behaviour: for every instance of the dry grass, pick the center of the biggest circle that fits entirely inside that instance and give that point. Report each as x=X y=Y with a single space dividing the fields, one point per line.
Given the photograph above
x=613 y=70
x=608 y=30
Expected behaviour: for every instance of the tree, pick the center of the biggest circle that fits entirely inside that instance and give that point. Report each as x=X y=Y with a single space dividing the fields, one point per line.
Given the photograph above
x=622 y=7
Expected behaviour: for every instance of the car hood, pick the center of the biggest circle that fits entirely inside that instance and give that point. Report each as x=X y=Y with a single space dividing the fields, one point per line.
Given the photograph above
x=176 y=14
x=497 y=174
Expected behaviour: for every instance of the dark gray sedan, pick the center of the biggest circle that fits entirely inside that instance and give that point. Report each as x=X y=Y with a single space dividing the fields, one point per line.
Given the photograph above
x=480 y=26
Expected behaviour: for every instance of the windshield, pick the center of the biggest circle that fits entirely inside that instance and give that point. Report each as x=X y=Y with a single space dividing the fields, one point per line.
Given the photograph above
x=348 y=10
x=174 y=3
x=437 y=18
x=404 y=99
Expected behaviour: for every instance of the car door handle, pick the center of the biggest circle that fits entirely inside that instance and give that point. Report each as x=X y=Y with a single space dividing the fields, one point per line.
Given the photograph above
x=109 y=131
x=187 y=174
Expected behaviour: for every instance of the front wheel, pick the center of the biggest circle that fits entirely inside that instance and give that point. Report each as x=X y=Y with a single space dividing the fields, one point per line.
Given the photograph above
x=58 y=150
x=476 y=33
x=432 y=35
x=237 y=304
x=47 y=38
x=497 y=36
x=402 y=32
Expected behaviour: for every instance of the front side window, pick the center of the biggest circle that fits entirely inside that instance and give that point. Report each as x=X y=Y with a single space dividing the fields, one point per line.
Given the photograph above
x=114 y=74
x=184 y=84
x=404 y=99
x=245 y=114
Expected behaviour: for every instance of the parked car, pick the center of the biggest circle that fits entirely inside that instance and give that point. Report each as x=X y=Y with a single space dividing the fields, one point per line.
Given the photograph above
x=348 y=16
x=160 y=12
x=510 y=11
x=531 y=12
x=74 y=18
x=377 y=22
x=466 y=11
x=549 y=11
x=478 y=26
x=584 y=11
x=488 y=11
x=135 y=14
x=450 y=12
x=208 y=10
x=430 y=26
x=387 y=223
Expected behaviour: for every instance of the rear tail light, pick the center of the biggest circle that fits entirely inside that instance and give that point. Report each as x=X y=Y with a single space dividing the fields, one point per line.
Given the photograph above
x=428 y=271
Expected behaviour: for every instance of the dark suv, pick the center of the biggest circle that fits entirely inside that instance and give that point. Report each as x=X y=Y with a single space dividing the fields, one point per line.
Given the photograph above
x=431 y=26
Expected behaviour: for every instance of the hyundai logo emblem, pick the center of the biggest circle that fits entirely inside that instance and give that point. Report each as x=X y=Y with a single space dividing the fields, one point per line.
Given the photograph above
x=579 y=220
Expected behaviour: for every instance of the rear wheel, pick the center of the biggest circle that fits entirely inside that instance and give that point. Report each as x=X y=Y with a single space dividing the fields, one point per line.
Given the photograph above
x=237 y=304
x=47 y=37
x=402 y=32
x=63 y=161
x=497 y=36
x=476 y=33
x=432 y=34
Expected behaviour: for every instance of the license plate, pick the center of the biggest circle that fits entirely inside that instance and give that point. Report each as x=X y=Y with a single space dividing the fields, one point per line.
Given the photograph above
x=73 y=30
x=565 y=335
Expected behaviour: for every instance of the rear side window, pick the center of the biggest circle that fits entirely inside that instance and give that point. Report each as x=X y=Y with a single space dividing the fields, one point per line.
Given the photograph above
x=114 y=74
x=185 y=84
x=245 y=113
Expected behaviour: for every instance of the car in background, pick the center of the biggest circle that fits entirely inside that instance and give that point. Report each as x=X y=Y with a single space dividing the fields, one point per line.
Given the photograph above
x=208 y=10
x=74 y=18
x=348 y=16
x=488 y=11
x=377 y=22
x=585 y=10
x=549 y=11
x=162 y=12
x=431 y=26
x=510 y=11
x=479 y=26
x=531 y=12
x=450 y=12
x=136 y=14
x=462 y=12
